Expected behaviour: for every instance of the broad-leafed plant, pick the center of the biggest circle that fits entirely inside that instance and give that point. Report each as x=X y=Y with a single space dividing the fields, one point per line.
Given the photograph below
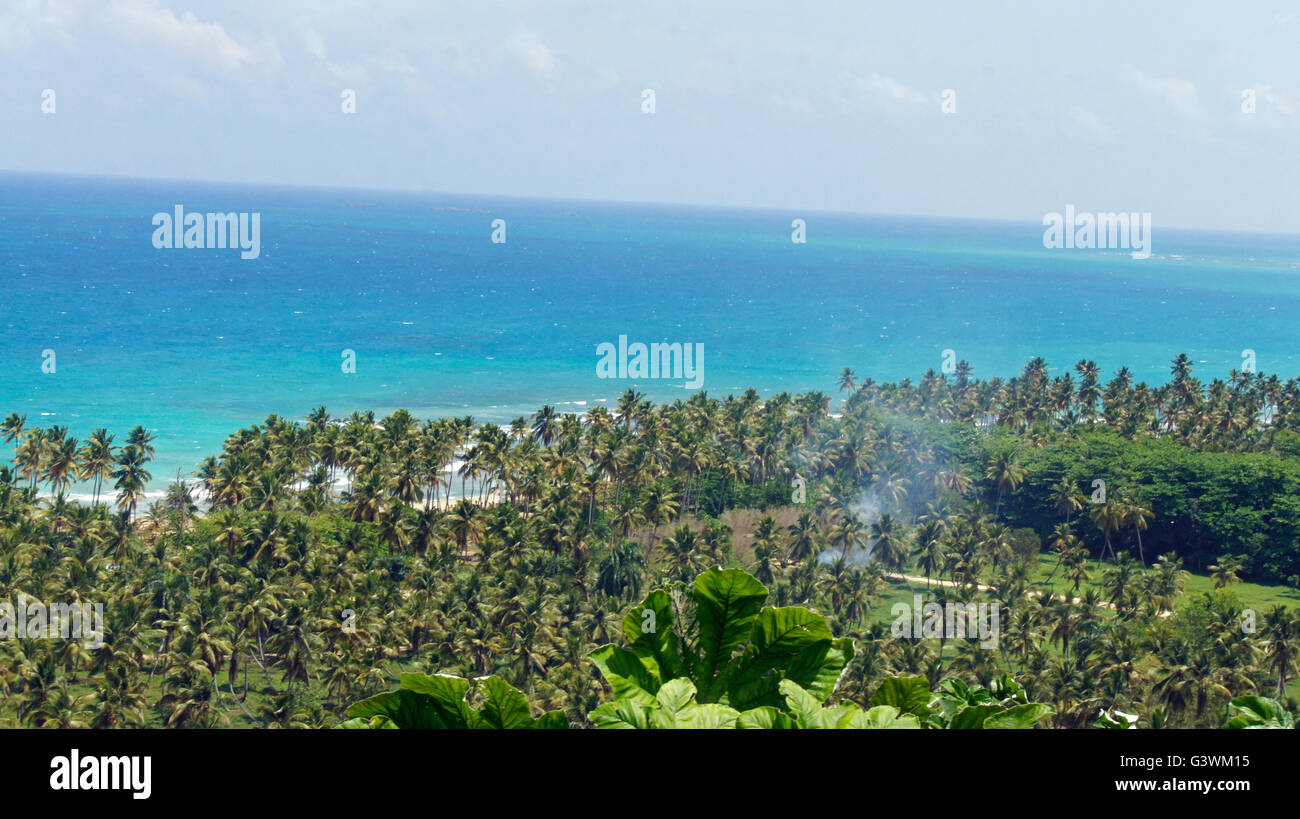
x=718 y=658
x=1258 y=712
x=722 y=639
x=675 y=706
x=446 y=701
x=1004 y=704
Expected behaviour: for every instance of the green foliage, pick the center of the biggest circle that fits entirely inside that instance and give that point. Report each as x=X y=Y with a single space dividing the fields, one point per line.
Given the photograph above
x=807 y=712
x=1206 y=502
x=1004 y=704
x=1258 y=712
x=290 y=599
x=1026 y=544
x=910 y=695
x=444 y=701
x=717 y=493
x=1115 y=719
x=738 y=664
x=675 y=707
x=733 y=649
x=901 y=702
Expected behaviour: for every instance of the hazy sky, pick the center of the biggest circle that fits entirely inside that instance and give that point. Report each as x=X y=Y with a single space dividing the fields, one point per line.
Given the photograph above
x=1110 y=106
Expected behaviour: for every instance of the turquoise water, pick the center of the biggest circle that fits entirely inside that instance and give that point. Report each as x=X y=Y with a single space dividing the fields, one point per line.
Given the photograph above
x=196 y=343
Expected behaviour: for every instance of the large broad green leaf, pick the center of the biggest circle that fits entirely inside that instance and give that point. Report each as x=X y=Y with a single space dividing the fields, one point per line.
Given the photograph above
x=404 y=709
x=961 y=693
x=881 y=716
x=649 y=631
x=675 y=695
x=726 y=603
x=805 y=709
x=445 y=697
x=764 y=717
x=829 y=668
x=1020 y=716
x=620 y=714
x=808 y=712
x=439 y=701
x=503 y=706
x=910 y=695
x=626 y=674
x=709 y=715
x=785 y=643
x=674 y=707
x=1258 y=712
x=973 y=716
x=377 y=721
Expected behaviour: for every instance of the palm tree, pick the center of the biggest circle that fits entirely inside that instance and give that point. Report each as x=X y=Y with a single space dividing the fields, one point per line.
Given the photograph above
x=1281 y=637
x=1136 y=514
x=131 y=477
x=1120 y=580
x=30 y=455
x=803 y=538
x=1007 y=472
x=1066 y=498
x=930 y=552
x=368 y=498
x=61 y=469
x=888 y=547
x=1108 y=517
x=680 y=551
x=463 y=524
x=620 y=572
x=13 y=428
x=1077 y=570
x=659 y=508
x=143 y=439
x=96 y=459
x=1224 y=573
x=546 y=425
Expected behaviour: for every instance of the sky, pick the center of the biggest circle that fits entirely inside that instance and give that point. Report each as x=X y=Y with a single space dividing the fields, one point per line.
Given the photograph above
x=1108 y=106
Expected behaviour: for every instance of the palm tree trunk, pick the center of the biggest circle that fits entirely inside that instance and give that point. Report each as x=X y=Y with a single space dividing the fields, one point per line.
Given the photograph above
x=261 y=651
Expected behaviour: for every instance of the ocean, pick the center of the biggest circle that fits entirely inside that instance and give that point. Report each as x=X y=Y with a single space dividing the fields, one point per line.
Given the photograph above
x=442 y=320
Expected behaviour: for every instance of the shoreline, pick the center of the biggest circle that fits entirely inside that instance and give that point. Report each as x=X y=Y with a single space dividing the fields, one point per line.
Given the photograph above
x=163 y=469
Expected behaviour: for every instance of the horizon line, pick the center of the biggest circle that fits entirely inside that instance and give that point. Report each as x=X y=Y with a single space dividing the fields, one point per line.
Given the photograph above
x=615 y=202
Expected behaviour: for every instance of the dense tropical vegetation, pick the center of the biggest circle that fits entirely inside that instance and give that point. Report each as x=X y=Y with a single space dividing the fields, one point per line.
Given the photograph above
x=1140 y=542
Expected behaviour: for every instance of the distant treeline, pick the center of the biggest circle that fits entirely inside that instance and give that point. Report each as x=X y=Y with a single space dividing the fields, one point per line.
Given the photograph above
x=1203 y=503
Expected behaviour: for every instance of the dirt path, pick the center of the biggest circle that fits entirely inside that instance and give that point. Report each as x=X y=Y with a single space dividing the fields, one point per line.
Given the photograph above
x=981 y=587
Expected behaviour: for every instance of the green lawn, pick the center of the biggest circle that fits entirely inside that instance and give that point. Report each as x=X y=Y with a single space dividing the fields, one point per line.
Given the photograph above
x=1251 y=595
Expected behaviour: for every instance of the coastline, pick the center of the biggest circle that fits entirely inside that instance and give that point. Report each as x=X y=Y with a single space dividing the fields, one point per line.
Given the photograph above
x=447 y=324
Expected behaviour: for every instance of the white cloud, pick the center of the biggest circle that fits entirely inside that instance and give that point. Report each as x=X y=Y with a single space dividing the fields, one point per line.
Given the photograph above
x=1280 y=103
x=893 y=89
x=1177 y=93
x=315 y=44
x=27 y=24
x=343 y=72
x=527 y=46
x=145 y=23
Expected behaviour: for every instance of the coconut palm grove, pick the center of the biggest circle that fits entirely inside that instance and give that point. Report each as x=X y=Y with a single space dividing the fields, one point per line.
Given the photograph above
x=1132 y=552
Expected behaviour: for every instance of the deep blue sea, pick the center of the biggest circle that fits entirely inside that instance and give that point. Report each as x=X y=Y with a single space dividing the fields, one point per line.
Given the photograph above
x=194 y=343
